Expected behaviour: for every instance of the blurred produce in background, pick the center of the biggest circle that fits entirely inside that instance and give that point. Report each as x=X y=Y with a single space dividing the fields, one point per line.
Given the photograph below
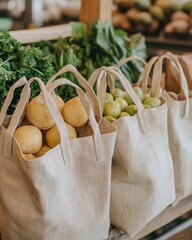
x=22 y=14
x=153 y=17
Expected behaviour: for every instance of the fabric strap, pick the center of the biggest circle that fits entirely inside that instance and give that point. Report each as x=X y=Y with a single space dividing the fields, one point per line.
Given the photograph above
x=81 y=80
x=9 y=98
x=157 y=75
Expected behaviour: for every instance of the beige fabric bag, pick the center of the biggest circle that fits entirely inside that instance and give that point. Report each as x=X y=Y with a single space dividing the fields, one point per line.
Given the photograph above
x=64 y=194
x=142 y=169
x=179 y=127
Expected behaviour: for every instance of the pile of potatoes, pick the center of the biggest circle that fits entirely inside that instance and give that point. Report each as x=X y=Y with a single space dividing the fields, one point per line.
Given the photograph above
x=41 y=133
x=180 y=23
x=152 y=16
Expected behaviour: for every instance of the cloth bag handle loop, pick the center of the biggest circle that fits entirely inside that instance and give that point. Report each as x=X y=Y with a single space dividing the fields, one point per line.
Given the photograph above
x=129 y=59
x=144 y=78
x=9 y=98
x=86 y=103
x=86 y=86
x=178 y=72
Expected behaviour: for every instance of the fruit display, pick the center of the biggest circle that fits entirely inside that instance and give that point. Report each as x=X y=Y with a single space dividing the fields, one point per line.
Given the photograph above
x=152 y=16
x=40 y=133
x=119 y=104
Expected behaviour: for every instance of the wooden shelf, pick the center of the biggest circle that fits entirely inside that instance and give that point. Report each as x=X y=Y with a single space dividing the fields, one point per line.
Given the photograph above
x=45 y=33
x=161 y=44
x=167 y=216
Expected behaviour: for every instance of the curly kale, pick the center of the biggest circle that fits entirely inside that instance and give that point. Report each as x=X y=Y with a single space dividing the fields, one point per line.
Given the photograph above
x=16 y=61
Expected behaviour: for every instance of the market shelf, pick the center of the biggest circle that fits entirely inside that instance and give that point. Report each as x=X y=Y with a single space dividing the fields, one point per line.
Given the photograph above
x=45 y=33
x=161 y=44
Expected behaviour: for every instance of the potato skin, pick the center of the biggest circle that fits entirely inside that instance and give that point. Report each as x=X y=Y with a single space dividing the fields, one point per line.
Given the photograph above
x=29 y=139
x=74 y=112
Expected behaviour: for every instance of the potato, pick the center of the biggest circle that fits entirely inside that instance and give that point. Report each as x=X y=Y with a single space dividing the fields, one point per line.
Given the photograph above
x=42 y=151
x=84 y=131
x=29 y=156
x=29 y=138
x=181 y=26
x=132 y=14
x=118 y=18
x=38 y=114
x=52 y=136
x=179 y=15
x=169 y=28
x=173 y=95
x=74 y=112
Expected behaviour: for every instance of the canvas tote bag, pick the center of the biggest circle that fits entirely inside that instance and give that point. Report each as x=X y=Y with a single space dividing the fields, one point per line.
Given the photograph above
x=142 y=169
x=64 y=194
x=4 y=108
x=179 y=127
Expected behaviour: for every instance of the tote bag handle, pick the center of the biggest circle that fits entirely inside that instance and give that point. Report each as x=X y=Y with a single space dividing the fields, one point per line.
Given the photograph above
x=157 y=75
x=9 y=98
x=99 y=77
x=83 y=82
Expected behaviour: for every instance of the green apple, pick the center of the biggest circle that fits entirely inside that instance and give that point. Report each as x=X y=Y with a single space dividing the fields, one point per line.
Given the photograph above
x=128 y=99
x=145 y=96
x=110 y=119
x=122 y=103
x=108 y=97
x=139 y=92
x=146 y=106
x=112 y=109
x=124 y=114
x=131 y=109
x=117 y=93
x=152 y=101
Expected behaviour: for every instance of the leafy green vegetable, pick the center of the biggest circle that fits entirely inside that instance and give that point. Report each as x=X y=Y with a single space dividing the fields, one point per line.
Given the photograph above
x=102 y=46
x=17 y=61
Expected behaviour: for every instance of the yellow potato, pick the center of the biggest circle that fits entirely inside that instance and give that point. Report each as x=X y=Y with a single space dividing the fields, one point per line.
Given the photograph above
x=42 y=151
x=38 y=114
x=52 y=136
x=29 y=138
x=74 y=113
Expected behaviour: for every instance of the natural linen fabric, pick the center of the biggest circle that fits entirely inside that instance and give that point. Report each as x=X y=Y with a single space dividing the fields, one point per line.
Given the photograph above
x=179 y=128
x=63 y=195
x=142 y=169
